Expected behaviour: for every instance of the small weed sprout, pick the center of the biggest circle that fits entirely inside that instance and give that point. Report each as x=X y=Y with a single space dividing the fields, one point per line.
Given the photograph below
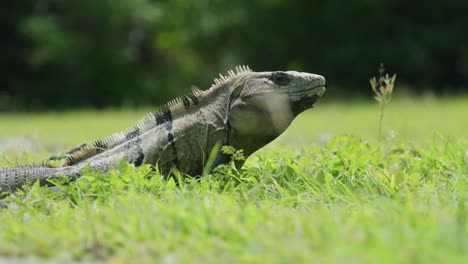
x=230 y=171
x=236 y=155
x=383 y=89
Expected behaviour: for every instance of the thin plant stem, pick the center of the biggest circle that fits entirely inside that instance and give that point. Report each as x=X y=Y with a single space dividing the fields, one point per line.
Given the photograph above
x=381 y=113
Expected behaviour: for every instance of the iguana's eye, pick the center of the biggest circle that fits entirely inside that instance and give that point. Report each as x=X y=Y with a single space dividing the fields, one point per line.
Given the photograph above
x=280 y=78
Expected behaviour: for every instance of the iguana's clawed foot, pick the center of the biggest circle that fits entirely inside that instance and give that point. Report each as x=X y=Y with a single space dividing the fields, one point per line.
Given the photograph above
x=68 y=154
x=59 y=156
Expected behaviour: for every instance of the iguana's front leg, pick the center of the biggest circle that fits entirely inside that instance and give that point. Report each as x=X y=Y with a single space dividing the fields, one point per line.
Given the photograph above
x=66 y=155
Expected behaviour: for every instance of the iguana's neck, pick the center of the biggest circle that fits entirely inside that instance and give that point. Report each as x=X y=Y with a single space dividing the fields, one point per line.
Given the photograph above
x=192 y=130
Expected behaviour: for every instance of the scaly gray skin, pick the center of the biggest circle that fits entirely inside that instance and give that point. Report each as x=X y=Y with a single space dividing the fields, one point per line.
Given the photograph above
x=245 y=110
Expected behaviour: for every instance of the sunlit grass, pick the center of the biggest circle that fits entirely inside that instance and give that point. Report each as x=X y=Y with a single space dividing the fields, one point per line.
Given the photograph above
x=408 y=120
x=304 y=198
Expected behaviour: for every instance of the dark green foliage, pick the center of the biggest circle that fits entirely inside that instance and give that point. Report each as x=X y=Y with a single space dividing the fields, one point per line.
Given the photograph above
x=63 y=54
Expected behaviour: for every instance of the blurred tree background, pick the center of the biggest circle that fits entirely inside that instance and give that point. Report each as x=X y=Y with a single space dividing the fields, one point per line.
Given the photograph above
x=88 y=53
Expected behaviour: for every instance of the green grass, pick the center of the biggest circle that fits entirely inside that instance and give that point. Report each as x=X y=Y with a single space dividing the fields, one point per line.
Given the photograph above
x=304 y=198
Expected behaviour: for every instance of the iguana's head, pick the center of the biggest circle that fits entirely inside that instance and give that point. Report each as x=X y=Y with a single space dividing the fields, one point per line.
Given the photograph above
x=263 y=104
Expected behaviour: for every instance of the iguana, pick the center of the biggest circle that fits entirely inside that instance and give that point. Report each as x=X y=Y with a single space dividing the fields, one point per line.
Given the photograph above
x=244 y=109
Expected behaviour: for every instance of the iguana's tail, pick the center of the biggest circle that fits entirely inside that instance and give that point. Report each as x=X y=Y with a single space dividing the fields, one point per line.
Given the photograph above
x=15 y=177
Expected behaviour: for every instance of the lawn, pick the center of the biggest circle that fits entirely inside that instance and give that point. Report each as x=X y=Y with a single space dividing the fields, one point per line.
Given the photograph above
x=324 y=192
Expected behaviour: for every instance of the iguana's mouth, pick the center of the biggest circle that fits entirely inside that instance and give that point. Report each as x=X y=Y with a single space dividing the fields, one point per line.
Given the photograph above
x=319 y=90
